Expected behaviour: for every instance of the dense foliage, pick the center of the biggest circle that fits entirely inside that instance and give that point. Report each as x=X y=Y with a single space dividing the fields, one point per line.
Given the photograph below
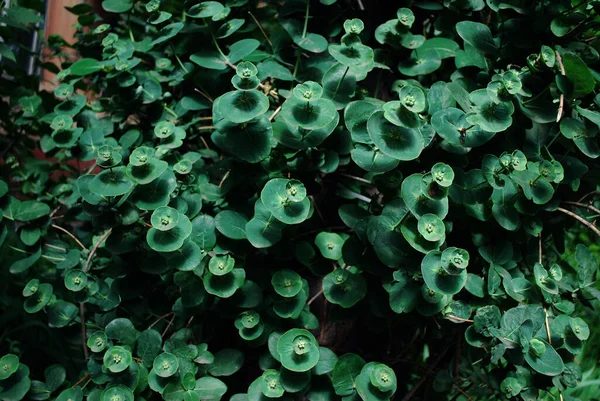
x=302 y=199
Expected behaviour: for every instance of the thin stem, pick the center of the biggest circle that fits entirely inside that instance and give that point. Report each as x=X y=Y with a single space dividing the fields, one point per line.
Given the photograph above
x=204 y=94
x=170 y=111
x=166 y=315
x=219 y=48
x=209 y=127
x=277 y=110
x=356 y=195
x=205 y=118
x=340 y=83
x=168 y=325
x=540 y=249
x=587 y=206
x=69 y=234
x=360 y=5
x=83 y=335
x=224 y=178
x=81 y=380
x=310 y=301
x=262 y=30
x=356 y=178
x=94 y=249
x=561 y=105
x=460 y=319
x=580 y=219
x=306 y=19
x=296 y=68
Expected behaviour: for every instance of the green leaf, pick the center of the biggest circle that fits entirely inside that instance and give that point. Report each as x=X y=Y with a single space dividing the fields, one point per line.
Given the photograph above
x=278 y=198
x=549 y=363
x=227 y=362
x=346 y=369
x=579 y=74
x=117 y=6
x=477 y=35
x=341 y=287
x=298 y=350
x=86 y=66
x=395 y=141
x=250 y=141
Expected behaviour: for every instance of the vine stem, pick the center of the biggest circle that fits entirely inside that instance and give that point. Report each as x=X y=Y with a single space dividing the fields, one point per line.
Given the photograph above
x=277 y=110
x=70 y=235
x=540 y=248
x=356 y=178
x=166 y=315
x=83 y=334
x=261 y=29
x=413 y=391
x=168 y=325
x=589 y=207
x=561 y=104
x=224 y=178
x=459 y=318
x=340 y=83
x=81 y=380
x=94 y=249
x=580 y=219
x=314 y=298
x=204 y=94
x=306 y=19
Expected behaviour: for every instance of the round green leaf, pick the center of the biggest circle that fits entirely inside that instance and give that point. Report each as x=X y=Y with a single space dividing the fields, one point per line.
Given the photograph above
x=8 y=365
x=437 y=278
x=165 y=364
x=398 y=142
x=286 y=283
x=119 y=392
x=76 y=280
x=344 y=288
x=117 y=359
x=98 y=341
x=298 y=350
x=330 y=245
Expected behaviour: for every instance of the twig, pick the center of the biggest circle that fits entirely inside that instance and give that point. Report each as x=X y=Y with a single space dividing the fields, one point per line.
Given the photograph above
x=204 y=94
x=224 y=178
x=588 y=194
x=168 y=325
x=209 y=127
x=561 y=105
x=58 y=248
x=460 y=319
x=310 y=301
x=540 y=248
x=70 y=235
x=83 y=335
x=356 y=195
x=81 y=380
x=548 y=327
x=277 y=110
x=587 y=206
x=460 y=390
x=360 y=5
x=204 y=142
x=261 y=29
x=412 y=392
x=94 y=249
x=580 y=219
x=159 y=319
x=356 y=178
x=317 y=208
x=205 y=118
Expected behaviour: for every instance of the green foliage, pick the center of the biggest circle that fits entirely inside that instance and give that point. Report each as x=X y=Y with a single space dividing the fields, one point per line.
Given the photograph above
x=227 y=195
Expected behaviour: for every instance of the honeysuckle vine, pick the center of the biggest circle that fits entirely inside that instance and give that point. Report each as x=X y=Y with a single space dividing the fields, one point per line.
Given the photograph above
x=302 y=199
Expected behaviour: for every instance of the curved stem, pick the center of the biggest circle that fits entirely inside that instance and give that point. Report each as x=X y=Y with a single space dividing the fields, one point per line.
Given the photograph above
x=340 y=83
x=306 y=19
x=580 y=219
